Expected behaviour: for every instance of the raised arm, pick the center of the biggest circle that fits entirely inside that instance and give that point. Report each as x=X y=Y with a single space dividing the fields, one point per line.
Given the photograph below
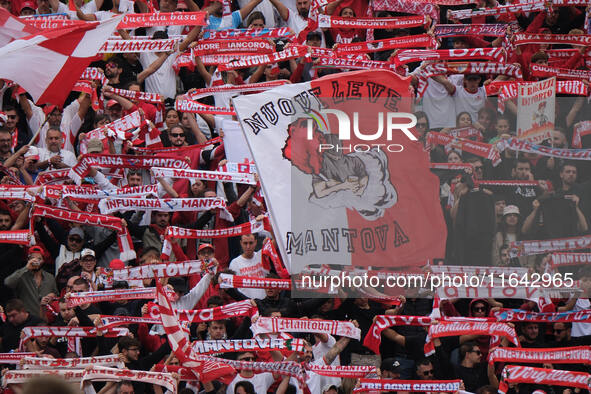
x=152 y=68
x=202 y=70
x=283 y=10
x=247 y=9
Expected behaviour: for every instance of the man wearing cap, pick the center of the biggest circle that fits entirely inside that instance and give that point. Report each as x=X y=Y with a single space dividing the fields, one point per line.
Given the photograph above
x=390 y=368
x=31 y=283
x=27 y=8
x=88 y=265
x=114 y=109
x=54 y=156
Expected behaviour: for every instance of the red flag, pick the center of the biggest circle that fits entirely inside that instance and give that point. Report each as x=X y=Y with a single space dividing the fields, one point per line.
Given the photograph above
x=47 y=64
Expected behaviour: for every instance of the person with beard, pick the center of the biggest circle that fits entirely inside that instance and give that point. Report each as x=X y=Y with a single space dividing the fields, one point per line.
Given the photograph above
x=19 y=135
x=5 y=141
x=10 y=255
x=31 y=283
x=17 y=318
x=296 y=21
x=54 y=156
x=218 y=22
x=129 y=350
x=113 y=71
x=548 y=167
x=154 y=233
x=530 y=336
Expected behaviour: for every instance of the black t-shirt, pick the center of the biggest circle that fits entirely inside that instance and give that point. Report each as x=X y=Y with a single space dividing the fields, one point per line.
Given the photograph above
x=474 y=377
x=11 y=334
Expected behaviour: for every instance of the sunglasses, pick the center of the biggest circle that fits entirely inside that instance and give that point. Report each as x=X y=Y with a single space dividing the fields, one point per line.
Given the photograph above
x=75 y=239
x=429 y=372
x=478 y=352
x=479 y=309
x=11 y=116
x=177 y=135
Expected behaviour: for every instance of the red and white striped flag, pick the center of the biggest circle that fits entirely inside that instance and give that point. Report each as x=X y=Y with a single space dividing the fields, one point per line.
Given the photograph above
x=11 y=28
x=49 y=63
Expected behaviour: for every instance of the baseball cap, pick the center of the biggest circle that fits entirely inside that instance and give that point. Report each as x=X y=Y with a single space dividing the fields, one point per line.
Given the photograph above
x=390 y=364
x=76 y=231
x=32 y=153
x=94 y=145
x=116 y=264
x=28 y=4
x=87 y=252
x=111 y=103
x=509 y=209
x=36 y=249
x=205 y=246
x=328 y=387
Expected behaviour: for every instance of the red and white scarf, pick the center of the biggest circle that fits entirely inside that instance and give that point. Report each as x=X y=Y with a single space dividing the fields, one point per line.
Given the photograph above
x=110 y=222
x=14 y=358
x=24 y=376
x=16 y=237
x=333 y=62
x=238 y=177
x=416 y=55
x=233 y=34
x=163 y=270
x=91 y=297
x=512 y=315
x=480 y=149
x=228 y=281
x=228 y=311
x=485 y=30
x=467 y=327
x=265 y=325
x=184 y=104
x=247 y=345
x=98 y=373
x=541 y=71
x=405 y=22
x=285 y=368
x=560 y=355
x=466 y=132
x=70 y=332
x=80 y=170
x=110 y=204
x=450 y=166
x=250 y=87
x=373 y=338
x=108 y=322
x=52 y=176
x=417 y=41
x=550 y=377
x=342 y=371
x=238 y=46
x=408 y=7
x=206 y=370
x=565 y=259
x=292 y=52
x=94 y=74
x=90 y=193
x=499 y=10
x=242 y=229
x=524 y=146
x=439 y=386
x=138 y=46
x=533 y=38
x=111 y=360
x=132 y=21
x=185 y=374
x=146 y=97
x=152 y=150
x=581 y=129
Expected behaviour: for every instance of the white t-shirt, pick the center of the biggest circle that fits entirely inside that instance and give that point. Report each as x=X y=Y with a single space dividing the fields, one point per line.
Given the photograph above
x=581 y=329
x=321 y=348
x=266 y=8
x=439 y=105
x=465 y=101
x=260 y=381
x=163 y=81
x=88 y=8
x=70 y=124
x=250 y=267
x=316 y=382
x=68 y=157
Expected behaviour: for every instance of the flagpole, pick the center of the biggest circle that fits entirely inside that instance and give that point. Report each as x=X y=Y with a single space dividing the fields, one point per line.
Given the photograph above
x=38 y=131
